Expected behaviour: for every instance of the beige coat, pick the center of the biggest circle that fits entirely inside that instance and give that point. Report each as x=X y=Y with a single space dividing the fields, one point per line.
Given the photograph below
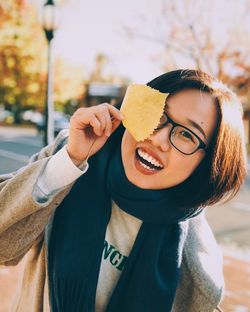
x=25 y=225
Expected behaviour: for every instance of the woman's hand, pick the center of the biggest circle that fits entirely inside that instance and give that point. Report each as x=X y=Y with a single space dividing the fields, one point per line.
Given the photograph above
x=91 y=125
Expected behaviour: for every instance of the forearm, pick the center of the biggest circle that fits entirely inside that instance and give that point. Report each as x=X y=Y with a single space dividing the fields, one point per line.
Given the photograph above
x=59 y=172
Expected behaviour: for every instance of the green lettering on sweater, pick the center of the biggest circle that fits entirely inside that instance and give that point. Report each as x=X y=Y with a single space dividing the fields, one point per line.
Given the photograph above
x=107 y=250
x=115 y=257
x=122 y=263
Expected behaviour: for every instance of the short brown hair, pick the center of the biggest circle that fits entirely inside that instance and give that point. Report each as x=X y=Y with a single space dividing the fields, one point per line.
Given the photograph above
x=223 y=169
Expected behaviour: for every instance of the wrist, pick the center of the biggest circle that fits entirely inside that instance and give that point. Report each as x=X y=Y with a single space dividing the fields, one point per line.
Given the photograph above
x=76 y=161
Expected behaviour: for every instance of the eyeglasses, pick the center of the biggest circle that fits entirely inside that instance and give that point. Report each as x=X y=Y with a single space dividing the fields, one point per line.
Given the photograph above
x=182 y=138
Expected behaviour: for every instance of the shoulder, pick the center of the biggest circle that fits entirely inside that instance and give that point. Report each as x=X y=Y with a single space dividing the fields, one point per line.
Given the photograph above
x=202 y=252
x=202 y=266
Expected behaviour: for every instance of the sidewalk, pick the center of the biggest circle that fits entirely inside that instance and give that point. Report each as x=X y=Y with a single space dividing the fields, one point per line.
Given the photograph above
x=237 y=278
x=16 y=131
x=237 y=289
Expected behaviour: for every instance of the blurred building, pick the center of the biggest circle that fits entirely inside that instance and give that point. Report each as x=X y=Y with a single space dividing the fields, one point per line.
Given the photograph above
x=98 y=93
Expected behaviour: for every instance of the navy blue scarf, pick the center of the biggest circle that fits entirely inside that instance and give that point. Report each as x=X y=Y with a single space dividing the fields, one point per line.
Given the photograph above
x=150 y=277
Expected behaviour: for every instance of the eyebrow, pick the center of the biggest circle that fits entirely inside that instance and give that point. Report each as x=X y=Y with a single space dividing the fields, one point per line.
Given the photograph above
x=192 y=122
x=197 y=126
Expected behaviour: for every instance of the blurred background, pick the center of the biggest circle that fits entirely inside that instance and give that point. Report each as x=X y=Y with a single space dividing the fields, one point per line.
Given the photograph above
x=57 y=56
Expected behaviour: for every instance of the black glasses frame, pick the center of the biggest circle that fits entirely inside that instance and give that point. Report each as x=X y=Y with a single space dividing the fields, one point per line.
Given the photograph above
x=202 y=145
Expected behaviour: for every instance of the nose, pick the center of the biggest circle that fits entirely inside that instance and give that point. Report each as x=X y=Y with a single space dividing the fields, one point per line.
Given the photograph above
x=160 y=138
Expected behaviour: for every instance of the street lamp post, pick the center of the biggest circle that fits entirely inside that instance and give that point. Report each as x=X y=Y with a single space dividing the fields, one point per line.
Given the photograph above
x=49 y=26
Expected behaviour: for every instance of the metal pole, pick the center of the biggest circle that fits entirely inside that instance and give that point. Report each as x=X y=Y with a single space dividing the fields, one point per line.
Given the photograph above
x=49 y=26
x=49 y=108
x=50 y=104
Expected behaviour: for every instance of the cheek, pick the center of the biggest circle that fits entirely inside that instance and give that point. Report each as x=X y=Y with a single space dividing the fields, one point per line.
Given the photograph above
x=128 y=142
x=127 y=147
x=185 y=166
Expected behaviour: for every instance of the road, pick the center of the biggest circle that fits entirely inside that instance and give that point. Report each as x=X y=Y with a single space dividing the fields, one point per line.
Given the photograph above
x=16 y=146
x=230 y=223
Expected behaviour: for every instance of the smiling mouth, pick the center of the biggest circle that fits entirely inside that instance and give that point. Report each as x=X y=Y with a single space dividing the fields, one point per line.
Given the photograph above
x=147 y=162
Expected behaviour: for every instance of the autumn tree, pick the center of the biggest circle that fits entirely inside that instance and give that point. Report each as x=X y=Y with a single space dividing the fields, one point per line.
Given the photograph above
x=69 y=88
x=23 y=63
x=212 y=35
x=22 y=57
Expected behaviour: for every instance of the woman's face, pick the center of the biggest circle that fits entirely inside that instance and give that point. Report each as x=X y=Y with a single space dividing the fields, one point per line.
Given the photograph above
x=191 y=108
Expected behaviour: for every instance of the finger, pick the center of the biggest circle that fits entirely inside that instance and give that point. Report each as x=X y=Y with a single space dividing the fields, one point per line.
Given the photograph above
x=108 y=128
x=96 y=125
x=102 y=114
x=81 y=118
x=115 y=112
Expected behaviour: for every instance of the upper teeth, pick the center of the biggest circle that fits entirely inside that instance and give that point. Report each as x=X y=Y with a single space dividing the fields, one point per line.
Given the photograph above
x=149 y=158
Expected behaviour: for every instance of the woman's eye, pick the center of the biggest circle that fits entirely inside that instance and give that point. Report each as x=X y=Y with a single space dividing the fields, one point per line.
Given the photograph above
x=187 y=135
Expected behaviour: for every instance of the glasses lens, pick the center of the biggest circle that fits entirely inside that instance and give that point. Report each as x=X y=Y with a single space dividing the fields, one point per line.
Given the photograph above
x=184 y=140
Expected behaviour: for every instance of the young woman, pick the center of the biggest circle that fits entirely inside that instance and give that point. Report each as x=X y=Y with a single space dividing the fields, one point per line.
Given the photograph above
x=125 y=230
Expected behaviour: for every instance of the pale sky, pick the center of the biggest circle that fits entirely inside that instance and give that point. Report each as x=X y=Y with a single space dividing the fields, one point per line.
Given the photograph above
x=89 y=27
